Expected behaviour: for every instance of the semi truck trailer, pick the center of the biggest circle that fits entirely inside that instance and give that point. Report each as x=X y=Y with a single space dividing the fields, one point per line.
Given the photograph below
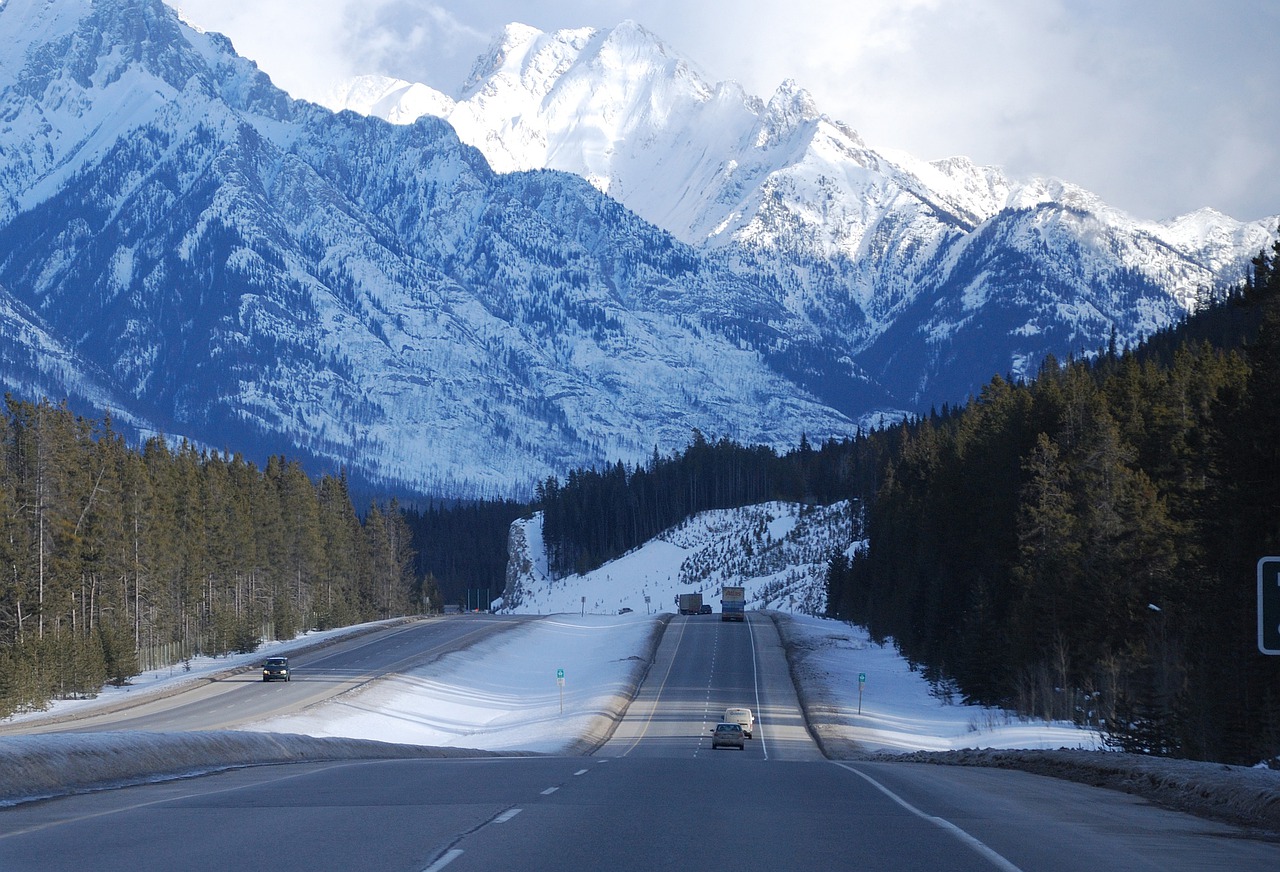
x=733 y=603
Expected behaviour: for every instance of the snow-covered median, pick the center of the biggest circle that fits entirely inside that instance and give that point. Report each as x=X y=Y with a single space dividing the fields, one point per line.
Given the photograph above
x=501 y=696
x=504 y=694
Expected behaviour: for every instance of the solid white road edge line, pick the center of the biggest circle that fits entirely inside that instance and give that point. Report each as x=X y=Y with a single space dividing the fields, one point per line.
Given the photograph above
x=999 y=861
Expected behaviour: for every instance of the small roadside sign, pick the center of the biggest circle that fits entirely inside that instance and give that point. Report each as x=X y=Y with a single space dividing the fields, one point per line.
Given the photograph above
x=559 y=673
x=862 y=678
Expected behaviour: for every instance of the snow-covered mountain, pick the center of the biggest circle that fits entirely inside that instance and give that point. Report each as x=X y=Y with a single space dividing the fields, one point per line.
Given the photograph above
x=185 y=245
x=912 y=267
x=264 y=275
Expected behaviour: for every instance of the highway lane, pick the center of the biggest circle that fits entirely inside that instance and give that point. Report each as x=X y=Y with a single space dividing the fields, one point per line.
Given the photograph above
x=317 y=675
x=619 y=813
x=703 y=666
x=528 y=814
x=654 y=796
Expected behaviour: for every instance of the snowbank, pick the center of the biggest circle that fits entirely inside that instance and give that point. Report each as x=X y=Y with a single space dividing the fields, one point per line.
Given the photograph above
x=40 y=766
x=1234 y=794
x=178 y=678
x=895 y=709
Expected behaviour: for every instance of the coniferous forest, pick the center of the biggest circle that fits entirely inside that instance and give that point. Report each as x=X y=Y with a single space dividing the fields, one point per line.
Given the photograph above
x=117 y=560
x=1084 y=545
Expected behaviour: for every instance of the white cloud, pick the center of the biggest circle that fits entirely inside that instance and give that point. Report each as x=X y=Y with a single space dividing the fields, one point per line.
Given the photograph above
x=1159 y=107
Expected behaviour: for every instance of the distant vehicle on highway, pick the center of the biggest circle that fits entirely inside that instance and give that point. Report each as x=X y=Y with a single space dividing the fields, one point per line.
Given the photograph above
x=689 y=603
x=742 y=717
x=705 y=610
x=727 y=736
x=624 y=611
x=733 y=602
x=275 y=668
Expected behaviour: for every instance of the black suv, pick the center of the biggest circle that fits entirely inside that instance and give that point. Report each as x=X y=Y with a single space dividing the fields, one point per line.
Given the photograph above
x=275 y=667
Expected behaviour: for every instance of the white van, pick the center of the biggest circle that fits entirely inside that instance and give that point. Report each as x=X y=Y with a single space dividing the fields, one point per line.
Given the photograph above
x=742 y=717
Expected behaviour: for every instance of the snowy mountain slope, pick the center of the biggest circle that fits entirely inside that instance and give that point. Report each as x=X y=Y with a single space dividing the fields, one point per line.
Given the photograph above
x=708 y=162
x=265 y=275
x=870 y=249
x=777 y=551
x=38 y=366
x=214 y=260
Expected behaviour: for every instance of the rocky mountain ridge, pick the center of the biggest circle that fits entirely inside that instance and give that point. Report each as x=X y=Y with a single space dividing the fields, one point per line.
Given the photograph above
x=874 y=250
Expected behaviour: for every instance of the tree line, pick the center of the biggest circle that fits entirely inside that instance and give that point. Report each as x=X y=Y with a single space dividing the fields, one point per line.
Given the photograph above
x=461 y=547
x=115 y=559
x=1083 y=545
x=596 y=515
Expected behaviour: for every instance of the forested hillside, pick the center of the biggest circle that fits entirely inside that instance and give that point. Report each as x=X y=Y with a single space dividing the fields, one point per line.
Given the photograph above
x=1084 y=545
x=116 y=559
x=597 y=515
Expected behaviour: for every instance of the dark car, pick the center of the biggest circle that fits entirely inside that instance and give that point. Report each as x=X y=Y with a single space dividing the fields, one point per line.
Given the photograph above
x=705 y=610
x=275 y=668
x=729 y=736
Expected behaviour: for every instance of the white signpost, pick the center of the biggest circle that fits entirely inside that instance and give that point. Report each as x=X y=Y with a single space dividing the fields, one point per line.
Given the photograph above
x=560 y=682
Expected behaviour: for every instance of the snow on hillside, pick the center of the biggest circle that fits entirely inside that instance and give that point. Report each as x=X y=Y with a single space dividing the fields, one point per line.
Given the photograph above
x=501 y=695
x=777 y=551
x=710 y=163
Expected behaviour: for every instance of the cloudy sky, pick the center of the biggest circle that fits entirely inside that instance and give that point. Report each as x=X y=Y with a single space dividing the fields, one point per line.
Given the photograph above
x=1159 y=106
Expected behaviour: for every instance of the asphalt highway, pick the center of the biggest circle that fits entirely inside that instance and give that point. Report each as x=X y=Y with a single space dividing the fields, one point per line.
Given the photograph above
x=655 y=796
x=316 y=676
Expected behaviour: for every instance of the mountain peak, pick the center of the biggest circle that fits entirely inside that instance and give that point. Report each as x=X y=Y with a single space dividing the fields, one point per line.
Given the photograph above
x=630 y=37
x=790 y=109
x=527 y=55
